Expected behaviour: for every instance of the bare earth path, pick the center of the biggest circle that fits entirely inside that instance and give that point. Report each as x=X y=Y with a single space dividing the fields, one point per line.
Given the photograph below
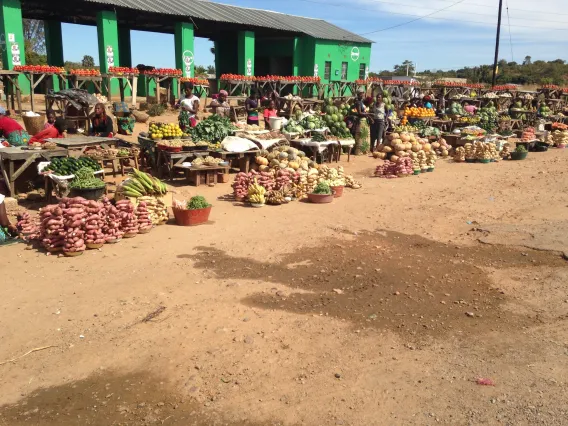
x=382 y=308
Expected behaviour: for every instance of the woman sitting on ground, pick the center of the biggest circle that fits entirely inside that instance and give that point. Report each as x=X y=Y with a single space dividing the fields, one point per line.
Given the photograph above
x=57 y=131
x=220 y=105
x=11 y=130
x=101 y=123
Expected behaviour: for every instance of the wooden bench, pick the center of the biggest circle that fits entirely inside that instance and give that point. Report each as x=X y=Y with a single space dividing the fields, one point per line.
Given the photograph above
x=205 y=175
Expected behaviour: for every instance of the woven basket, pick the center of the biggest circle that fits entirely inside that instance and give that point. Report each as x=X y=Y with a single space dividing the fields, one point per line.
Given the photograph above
x=34 y=125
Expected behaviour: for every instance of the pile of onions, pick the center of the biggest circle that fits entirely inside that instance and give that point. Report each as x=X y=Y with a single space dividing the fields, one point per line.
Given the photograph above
x=143 y=217
x=95 y=222
x=27 y=225
x=111 y=227
x=283 y=178
x=387 y=170
x=52 y=231
x=74 y=215
x=404 y=166
x=128 y=221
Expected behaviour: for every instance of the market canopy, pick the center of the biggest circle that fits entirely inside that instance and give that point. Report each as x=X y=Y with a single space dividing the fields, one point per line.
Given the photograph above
x=209 y=18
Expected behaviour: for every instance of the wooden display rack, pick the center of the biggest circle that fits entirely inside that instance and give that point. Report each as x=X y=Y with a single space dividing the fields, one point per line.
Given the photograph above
x=124 y=81
x=12 y=88
x=79 y=81
x=237 y=87
x=168 y=81
x=36 y=78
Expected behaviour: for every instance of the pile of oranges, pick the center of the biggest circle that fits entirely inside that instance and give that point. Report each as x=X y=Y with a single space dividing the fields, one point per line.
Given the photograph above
x=415 y=112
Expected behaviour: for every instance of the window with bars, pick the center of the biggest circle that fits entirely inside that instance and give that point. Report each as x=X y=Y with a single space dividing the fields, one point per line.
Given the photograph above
x=327 y=71
x=362 y=69
x=344 y=70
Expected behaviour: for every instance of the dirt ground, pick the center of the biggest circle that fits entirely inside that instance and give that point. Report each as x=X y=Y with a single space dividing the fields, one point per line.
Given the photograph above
x=385 y=307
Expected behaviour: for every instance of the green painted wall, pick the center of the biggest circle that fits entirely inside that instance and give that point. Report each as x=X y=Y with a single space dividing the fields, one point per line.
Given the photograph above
x=125 y=49
x=246 y=52
x=354 y=54
x=107 y=31
x=184 y=49
x=12 y=28
x=54 y=47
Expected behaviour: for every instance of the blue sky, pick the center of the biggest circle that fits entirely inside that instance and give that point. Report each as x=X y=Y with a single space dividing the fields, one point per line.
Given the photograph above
x=461 y=35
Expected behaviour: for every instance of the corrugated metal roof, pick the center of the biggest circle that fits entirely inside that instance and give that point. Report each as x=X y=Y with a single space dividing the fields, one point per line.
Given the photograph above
x=211 y=11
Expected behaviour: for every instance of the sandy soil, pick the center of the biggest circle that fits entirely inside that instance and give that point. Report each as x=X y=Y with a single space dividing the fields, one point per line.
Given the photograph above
x=382 y=308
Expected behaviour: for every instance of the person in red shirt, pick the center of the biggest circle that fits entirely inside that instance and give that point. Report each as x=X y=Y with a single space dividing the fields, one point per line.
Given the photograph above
x=11 y=130
x=50 y=115
x=56 y=132
x=271 y=111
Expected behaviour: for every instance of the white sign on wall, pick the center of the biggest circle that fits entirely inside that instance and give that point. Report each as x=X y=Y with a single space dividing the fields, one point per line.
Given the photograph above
x=16 y=60
x=316 y=70
x=249 y=67
x=355 y=53
x=110 y=56
x=11 y=37
x=188 y=61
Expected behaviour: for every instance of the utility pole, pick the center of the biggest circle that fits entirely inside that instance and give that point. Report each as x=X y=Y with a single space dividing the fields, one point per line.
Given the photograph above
x=497 y=43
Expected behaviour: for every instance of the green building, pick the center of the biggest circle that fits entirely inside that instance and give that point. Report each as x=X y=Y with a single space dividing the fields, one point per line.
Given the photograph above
x=247 y=41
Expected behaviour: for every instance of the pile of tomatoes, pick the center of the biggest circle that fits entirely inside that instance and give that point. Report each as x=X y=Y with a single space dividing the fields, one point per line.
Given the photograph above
x=164 y=72
x=401 y=83
x=123 y=70
x=194 y=80
x=40 y=69
x=86 y=72
x=505 y=87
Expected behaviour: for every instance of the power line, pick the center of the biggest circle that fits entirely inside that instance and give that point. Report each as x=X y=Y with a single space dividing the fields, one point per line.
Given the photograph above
x=444 y=19
x=492 y=7
x=510 y=37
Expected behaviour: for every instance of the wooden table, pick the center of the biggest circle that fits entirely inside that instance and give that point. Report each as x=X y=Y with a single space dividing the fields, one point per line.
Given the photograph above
x=194 y=174
x=9 y=157
x=130 y=81
x=36 y=78
x=443 y=125
x=244 y=158
x=79 y=144
x=12 y=87
x=61 y=106
x=172 y=160
x=158 y=80
x=78 y=81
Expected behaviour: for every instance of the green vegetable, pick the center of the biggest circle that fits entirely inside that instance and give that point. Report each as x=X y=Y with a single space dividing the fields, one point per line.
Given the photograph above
x=197 y=202
x=322 y=188
x=69 y=166
x=318 y=137
x=85 y=179
x=520 y=148
x=213 y=129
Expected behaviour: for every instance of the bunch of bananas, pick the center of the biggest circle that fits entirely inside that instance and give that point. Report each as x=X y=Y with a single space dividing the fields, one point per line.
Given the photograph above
x=276 y=198
x=256 y=193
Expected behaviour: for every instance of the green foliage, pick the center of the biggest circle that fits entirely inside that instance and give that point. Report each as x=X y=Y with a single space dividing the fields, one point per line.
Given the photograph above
x=156 y=110
x=197 y=202
x=322 y=188
x=88 y=61
x=365 y=137
x=213 y=129
x=520 y=148
x=200 y=71
x=85 y=179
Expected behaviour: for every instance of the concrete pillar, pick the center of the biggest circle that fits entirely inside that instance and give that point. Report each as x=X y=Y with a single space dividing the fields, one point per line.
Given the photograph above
x=107 y=30
x=54 y=47
x=12 y=38
x=125 y=47
x=246 y=53
x=184 y=49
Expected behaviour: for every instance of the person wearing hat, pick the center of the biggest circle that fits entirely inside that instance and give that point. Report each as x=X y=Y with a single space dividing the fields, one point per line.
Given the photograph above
x=11 y=130
x=220 y=105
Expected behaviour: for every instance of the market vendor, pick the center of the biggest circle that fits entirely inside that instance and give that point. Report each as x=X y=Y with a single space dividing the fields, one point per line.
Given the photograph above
x=189 y=106
x=101 y=123
x=428 y=103
x=50 y=116
x=470 y=109
x=359 y=113
x=11 y=130
x=251 y=107
x=379 y=120
x=271 y=111
x=220 y=105
x=4 y=221
x=57 y=131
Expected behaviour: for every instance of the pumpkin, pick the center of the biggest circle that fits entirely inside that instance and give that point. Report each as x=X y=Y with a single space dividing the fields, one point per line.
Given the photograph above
x=283 y=155
x=381 y=155
x=405 y=137
x=263 y=168
x=399 y=147
x=394 y=158
x=435 y=145
x=381 y=147
x=261 y=161
x=293 y=165
x=427 y=147
x=394 y=136
x=408 y=146
x=416 y=147
x=387 y=149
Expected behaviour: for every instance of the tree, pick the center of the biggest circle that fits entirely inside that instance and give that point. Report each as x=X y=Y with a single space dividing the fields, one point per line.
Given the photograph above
x=210 y=69
x=200 y=71
x=88 y=61
x=34 y=42
x=527 y=61
x=406 y=68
